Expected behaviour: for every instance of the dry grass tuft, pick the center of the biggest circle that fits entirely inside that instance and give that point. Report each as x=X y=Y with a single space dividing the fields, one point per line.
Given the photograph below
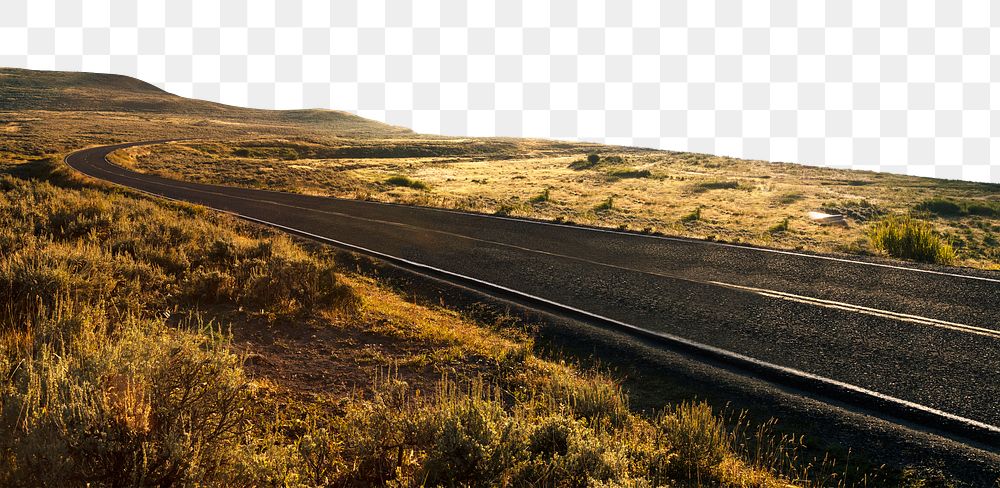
x=908 y=238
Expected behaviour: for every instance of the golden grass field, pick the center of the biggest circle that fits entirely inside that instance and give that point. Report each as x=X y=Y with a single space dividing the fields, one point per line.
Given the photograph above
x=152 y=343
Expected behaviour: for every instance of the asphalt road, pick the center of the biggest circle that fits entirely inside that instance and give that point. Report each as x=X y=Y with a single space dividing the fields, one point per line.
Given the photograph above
x=926 y=335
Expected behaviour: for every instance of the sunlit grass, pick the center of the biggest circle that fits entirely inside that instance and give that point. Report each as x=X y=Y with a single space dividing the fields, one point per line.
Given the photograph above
x=908 y=238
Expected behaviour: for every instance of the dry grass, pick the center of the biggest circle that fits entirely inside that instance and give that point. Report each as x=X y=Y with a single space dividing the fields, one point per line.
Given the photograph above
x=908 y=238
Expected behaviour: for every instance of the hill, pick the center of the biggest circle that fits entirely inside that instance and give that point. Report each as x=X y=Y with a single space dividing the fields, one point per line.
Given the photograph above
x=62 y=91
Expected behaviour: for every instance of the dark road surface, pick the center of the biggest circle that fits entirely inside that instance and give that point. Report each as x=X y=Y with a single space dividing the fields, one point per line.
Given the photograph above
x=930 y=336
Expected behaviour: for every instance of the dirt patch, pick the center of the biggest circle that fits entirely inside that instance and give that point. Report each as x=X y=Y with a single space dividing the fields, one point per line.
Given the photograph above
x=339 y=354
x=312 y=358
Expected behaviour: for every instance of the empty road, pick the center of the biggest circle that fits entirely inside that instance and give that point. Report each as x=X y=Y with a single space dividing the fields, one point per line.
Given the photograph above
x=926 y=337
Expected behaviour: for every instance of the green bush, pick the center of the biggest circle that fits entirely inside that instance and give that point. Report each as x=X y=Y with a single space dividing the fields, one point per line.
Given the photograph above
x=630 y=173
x=945 y=207
x=582 y=164
x=716 y=185
x=541 y=197
x=984 y=209
x=694 y=216
x=908 y=238
x=400 y=180
x=789 y=198
x=941 y=206
x=593 y=158
x=605 y=205
x=779 y=227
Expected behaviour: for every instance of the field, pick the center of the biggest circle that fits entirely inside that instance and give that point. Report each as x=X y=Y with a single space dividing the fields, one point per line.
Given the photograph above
x=147 y=343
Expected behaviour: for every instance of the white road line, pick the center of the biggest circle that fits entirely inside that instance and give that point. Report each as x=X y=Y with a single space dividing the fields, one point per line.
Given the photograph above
x=886 y=314
x=899 y=402
x=916 y=319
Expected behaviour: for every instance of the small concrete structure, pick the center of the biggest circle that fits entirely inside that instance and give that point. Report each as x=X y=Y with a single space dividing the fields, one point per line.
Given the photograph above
x=827 y=219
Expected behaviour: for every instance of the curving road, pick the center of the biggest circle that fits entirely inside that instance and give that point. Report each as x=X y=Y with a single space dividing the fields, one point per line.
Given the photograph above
x=920 y=339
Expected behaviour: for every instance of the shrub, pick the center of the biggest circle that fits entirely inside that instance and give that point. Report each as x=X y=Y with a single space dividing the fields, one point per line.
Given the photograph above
x=862 y=210
x=469 y=441
x=606 y=205
x=697 y=435
x=957 y=208
x=594 y=160
x=941 y=206
x=400 y=180
x=789 y=198
x=695 y=215
x=582 y=164
x=551 y=437
x=372 y=438
x=716 y=185
x=779 y=227
x=541 y=197
x=268 y=152
x=132 y=403
x=630 y=173
x=907 y=238
x=504 y=210
x=984 y=209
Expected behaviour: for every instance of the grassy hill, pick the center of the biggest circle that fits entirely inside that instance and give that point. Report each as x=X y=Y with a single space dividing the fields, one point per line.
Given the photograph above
x=31 y=90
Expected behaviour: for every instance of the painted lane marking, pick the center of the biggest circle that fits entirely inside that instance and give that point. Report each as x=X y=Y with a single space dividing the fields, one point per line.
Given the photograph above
x=916 y=319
